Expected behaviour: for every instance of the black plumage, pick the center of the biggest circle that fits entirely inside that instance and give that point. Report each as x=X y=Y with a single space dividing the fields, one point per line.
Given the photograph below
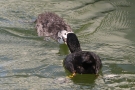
x=82 y=62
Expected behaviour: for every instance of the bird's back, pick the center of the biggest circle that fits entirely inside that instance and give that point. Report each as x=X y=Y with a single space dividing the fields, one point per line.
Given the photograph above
x=83 y=62
x=48 y=24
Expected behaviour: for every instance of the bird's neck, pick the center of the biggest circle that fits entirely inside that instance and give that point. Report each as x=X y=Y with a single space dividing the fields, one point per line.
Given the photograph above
x=73 y=43
x=74 y=47
x=77 y=49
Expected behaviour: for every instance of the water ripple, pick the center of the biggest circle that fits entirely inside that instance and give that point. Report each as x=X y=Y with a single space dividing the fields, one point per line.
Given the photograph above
x=102 y=26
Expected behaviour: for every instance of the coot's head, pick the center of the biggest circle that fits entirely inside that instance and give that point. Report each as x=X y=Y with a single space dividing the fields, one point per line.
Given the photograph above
x=62 y=36
x=73 y=43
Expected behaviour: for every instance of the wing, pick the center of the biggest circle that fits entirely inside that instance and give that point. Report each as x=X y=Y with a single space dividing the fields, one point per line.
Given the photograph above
x=91 y=62
x=68 y=63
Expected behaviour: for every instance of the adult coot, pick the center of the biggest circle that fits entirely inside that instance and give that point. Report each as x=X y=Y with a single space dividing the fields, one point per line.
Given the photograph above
x=81 y=62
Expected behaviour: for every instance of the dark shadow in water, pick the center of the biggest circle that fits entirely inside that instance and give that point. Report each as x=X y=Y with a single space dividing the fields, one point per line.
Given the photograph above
x=63 y=49
x=83 y=79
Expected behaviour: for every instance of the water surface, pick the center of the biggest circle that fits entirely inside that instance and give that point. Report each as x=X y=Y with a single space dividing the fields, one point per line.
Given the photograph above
x=105 y=27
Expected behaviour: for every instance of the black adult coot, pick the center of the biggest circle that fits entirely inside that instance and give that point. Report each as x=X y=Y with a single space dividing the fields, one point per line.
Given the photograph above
x=49 y=24
x=81 y=62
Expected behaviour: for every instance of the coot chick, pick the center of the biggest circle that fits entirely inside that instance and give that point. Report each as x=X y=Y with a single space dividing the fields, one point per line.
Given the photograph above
x=81 y=62
x=49 y=24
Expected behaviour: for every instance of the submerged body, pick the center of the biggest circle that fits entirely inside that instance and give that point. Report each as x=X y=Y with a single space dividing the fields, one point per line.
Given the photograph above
x=49 y=24
x=82 y=62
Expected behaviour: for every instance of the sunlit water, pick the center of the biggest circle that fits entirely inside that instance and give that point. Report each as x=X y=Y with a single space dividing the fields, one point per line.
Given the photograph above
x=105 y=27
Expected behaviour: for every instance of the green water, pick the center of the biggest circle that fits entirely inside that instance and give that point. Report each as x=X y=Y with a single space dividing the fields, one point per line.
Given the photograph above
x=105 y=27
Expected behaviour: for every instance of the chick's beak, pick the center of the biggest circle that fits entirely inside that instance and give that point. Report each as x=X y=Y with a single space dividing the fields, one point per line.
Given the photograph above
x=65 y=40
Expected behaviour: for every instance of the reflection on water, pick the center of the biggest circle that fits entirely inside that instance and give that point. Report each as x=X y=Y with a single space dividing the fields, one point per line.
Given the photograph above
x=105 y=27
x=63 y=49
x=89 y=79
